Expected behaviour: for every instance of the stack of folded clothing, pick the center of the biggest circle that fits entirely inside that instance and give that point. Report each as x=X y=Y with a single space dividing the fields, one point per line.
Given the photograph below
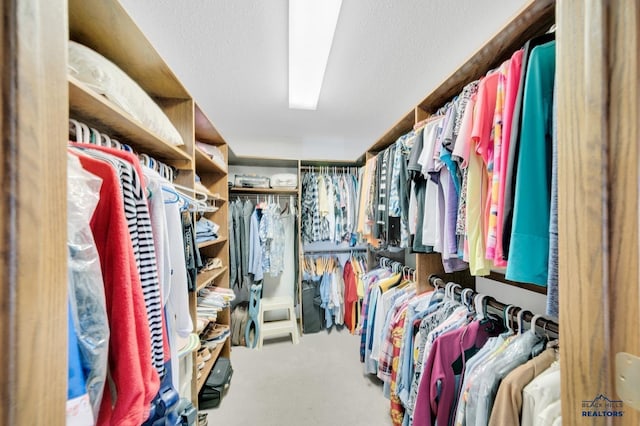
x=212 y=300
x=206 y=230
x=214 y=153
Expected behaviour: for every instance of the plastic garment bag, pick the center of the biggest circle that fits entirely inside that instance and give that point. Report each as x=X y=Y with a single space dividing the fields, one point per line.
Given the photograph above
x=86 y=288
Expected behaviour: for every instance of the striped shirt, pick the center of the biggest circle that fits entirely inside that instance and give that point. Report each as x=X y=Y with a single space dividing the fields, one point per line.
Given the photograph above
x=139 y=223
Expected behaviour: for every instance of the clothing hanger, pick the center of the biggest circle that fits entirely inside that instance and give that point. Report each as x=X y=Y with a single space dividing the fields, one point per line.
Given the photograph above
x=520 y=319
x=532 y=323
x=172 y=192
x=507 y=318
x=86 y=133
x=465 y=298
x=453 y=290
x=480 y=305
x=76 y=129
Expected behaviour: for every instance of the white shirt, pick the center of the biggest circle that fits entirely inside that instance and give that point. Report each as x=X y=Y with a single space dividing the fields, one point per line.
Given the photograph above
x=539 y=394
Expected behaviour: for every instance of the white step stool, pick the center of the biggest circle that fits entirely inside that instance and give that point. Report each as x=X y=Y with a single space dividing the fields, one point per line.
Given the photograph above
x=277 y=328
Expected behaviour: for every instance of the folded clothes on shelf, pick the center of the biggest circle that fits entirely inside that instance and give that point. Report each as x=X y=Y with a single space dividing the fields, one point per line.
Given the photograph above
x=206 y=230
x=212 y=152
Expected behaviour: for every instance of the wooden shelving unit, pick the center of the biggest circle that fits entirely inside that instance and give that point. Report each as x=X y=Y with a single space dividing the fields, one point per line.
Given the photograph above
x=214 y=177
x=114 y=35
x=90 y=107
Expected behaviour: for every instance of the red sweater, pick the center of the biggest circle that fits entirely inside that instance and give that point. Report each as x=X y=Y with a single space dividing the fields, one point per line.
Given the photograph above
x=135 y=381
x=350 y=297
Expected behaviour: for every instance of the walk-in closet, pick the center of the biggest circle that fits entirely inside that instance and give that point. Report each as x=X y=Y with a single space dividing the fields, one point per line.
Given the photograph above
x=312 y=212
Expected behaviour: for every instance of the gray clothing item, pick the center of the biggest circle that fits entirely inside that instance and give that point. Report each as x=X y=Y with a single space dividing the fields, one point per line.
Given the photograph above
x=245 y=237
x=233 y=262
x=552 y=278
x=237 y=214
x=485 y=388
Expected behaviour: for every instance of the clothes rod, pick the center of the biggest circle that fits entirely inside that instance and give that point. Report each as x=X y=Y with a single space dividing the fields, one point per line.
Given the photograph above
x=547 y=324
x=340 y=169
x=336 y=250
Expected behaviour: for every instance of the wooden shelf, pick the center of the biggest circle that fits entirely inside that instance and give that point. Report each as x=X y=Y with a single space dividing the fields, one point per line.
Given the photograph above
x=86 y=105
x=206 y=277
x=211 y=243
x=403 y=126
x=210 y=363
x=500 y=277
x=276 y=191
x=205 y=164
x=94 y=23
x=205 y=130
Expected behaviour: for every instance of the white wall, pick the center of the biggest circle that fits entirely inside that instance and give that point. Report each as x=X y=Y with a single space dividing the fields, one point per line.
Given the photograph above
x=508 y=294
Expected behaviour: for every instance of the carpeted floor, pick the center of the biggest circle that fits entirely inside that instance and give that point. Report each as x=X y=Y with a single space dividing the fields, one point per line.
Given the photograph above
x=317 y=382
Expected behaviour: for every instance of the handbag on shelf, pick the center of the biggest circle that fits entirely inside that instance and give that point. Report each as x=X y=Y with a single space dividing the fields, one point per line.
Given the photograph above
x=218 y=381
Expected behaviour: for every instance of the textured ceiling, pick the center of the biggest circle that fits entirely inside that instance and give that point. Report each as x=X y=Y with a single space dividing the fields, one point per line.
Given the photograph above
x=386 y=56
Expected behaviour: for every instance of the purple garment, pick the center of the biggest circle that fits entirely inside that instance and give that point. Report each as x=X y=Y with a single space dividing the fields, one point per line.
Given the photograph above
x=443 y=372
x=450 y=260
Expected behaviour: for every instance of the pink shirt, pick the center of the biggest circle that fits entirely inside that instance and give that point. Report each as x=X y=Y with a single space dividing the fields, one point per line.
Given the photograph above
x=493 y=167
x=511 y=92
x=437 y=389
x=482 y=136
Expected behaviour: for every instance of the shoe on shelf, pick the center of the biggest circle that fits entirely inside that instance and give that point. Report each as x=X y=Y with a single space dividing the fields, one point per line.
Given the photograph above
x=211 y=345
x=201 y=324
x=206 y=354
x=212 y=263
x=202 y=419
x=216 y=333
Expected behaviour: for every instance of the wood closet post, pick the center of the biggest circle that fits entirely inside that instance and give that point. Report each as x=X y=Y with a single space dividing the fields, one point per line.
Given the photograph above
x=624 y=133
x=597 y=78
x=33 y=259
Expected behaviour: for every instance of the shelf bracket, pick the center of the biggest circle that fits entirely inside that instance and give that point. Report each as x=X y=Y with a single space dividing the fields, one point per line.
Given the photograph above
x=628 y=378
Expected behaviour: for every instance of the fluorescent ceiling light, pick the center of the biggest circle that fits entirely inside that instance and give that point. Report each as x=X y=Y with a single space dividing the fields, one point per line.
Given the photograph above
x=312 y=24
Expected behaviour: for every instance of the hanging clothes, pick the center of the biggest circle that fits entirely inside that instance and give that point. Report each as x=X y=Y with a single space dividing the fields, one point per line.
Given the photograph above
x=329 y=207
x=474 y=180
x=264 y=247
x=132 y=371
x=529 y=247
x=283 y=284
x=334 y=289
x=88 y=322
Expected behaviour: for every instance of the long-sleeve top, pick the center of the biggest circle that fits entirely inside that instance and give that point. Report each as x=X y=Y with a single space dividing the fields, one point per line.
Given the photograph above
x=255 y=249
x=443 y=371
